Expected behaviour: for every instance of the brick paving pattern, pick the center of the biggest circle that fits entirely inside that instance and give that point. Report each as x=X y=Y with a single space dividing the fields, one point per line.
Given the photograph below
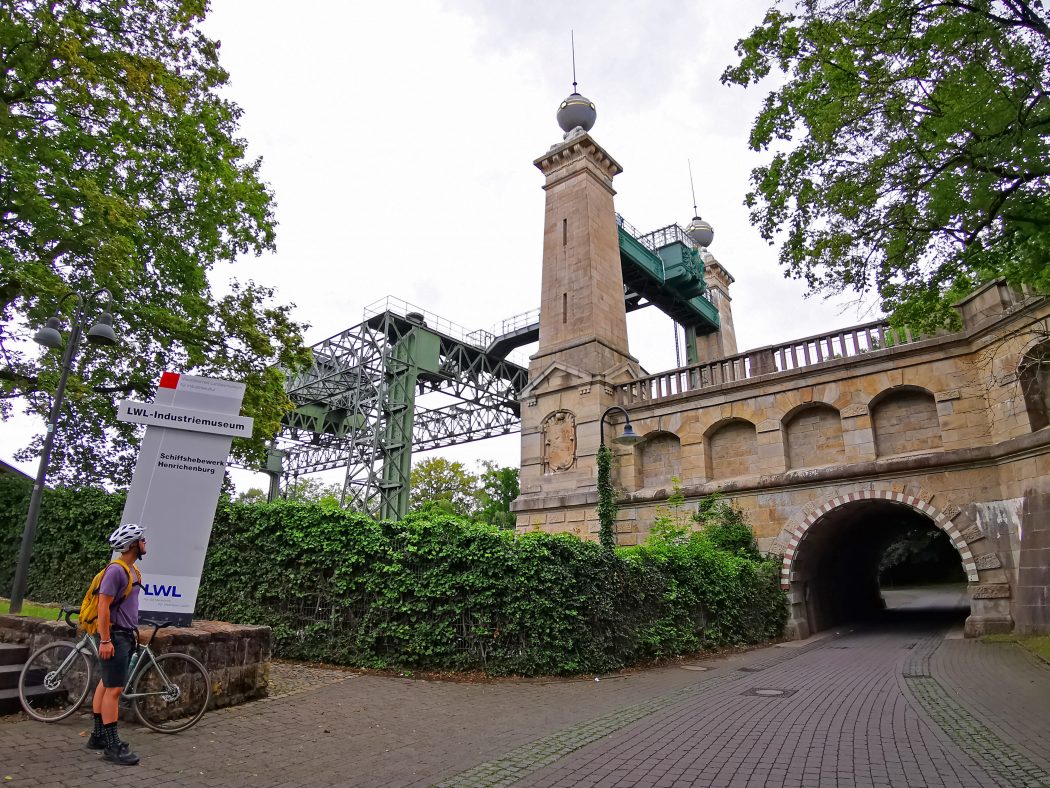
x=287 y=678
x=1003 y=685
x=847 y=723
x=879 y=706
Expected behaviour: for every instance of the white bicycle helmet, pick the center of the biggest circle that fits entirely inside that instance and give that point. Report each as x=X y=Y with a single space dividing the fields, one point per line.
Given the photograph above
x=125 y=536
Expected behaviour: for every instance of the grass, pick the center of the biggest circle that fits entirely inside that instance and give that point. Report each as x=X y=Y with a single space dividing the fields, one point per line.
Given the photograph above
x=31 y=609
x=1037 y=644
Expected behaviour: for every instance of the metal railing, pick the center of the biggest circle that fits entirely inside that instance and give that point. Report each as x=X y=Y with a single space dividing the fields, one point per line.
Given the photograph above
x=666 y=236
x=479 y=338
x=516 y=323
x=436 y=322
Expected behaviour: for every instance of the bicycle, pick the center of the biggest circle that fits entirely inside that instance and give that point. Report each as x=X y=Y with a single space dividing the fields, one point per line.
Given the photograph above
x=168 y=692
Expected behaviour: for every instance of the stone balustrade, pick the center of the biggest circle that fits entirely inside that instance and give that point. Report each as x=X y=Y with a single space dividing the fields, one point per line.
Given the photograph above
x=768 y=360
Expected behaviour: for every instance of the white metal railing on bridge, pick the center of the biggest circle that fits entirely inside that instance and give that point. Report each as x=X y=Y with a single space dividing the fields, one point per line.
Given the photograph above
x=479 y=338
x=516 y=323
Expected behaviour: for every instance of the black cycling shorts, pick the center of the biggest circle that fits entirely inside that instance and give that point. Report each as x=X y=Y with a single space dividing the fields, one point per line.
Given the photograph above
x=115 y=669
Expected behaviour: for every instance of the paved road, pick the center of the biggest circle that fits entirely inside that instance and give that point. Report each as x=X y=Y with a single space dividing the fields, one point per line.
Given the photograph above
x=901 y=702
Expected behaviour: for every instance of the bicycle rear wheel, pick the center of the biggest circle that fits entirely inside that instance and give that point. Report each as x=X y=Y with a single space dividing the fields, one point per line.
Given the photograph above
x=177 y=691
x=54 y=681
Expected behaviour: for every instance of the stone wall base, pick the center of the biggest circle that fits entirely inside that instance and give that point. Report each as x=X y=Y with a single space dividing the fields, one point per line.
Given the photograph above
x=237 y=656
x=796 y=629
x=976 y=626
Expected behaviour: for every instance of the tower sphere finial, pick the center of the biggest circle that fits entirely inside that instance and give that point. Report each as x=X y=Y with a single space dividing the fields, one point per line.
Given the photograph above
x=701 y=232
x=575 y=111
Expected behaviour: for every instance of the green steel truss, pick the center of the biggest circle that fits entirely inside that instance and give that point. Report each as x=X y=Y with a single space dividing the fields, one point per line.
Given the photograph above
x=402 y=380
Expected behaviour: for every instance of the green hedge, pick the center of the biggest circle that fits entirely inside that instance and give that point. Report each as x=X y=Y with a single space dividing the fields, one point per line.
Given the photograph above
x=430 y=592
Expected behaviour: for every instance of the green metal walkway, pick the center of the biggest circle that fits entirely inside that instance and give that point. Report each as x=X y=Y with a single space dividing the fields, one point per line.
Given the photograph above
x=662 y=269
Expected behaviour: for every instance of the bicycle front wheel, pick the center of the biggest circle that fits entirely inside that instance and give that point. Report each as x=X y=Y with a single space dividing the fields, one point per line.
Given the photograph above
x=54 y=681
x=175 y=691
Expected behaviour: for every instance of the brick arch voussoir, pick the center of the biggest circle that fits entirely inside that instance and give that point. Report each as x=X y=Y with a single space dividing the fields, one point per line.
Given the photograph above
x=945 y=520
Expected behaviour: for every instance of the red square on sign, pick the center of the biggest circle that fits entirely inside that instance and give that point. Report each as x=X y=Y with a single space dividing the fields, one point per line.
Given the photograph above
x=169 y=380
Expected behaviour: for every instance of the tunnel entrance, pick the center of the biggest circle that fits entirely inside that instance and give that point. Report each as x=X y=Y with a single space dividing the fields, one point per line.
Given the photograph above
x=855 y=561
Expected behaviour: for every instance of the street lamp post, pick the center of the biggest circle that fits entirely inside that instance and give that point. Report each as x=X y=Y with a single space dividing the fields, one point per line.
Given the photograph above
x=606 y=495
x=101 y=333
x=628 y=438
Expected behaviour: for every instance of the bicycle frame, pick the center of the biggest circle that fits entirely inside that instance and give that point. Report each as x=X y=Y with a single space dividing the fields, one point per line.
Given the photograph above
x=87 y=642
x=146 y=653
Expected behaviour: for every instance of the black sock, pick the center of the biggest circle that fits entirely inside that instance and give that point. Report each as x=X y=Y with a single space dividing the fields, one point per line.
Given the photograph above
x=97 y=732
x=112 y=739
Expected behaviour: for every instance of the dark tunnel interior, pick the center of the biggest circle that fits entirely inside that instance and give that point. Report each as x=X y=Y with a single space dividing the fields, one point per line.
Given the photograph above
x=856 y=551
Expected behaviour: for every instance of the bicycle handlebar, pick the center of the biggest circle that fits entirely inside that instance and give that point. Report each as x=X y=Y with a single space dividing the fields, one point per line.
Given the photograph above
x=157 y=624
x=67 y=613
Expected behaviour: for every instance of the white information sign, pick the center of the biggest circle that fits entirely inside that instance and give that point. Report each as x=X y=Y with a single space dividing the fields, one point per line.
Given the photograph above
x=176 y=484
x=183 y=419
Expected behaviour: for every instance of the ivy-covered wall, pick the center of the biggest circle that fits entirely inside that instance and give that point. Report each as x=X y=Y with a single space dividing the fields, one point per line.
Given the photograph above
x=430 y=592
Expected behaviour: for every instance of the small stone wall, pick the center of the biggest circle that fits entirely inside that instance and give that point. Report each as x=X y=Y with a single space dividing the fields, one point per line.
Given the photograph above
x=237 y=657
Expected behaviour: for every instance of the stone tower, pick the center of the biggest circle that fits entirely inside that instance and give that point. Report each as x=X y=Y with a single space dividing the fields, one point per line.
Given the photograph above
x=721 y=343
x=583 y=350
x=583 y=321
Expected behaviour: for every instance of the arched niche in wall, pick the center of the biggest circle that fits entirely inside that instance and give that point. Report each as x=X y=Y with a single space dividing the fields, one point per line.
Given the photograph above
x=657 y=459
x=1033 y=375
x=904 y=420
x=732 y=450
x=813 y=436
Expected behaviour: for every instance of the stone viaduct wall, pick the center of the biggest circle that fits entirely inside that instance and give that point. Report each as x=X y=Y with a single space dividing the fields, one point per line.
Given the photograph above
x=856 y=426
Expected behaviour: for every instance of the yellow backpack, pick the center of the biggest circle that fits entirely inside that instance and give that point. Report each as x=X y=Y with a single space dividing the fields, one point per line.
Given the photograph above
x=89 y=607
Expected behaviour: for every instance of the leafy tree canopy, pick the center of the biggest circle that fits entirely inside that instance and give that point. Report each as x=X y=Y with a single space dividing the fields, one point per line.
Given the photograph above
x=498 y=487
x=251 y=495
x=120 y=168
x=439 y=479
x=313 y=490
x=909 y=146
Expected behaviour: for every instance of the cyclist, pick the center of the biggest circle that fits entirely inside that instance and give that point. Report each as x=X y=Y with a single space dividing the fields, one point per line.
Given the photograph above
x=118 y=616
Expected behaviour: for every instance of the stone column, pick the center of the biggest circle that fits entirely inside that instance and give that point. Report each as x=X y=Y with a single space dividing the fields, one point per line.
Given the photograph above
x=721 y=343
x=583 y=321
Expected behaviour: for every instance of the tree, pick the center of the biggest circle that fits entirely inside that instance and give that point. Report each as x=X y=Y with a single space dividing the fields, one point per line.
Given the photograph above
x=671 y=523
x=920 y=555
x=498 y=487
x=120 y=168
x=910 y=147
x=726 y=527
x=314 y=491
x=439 y=479
x=251 y=495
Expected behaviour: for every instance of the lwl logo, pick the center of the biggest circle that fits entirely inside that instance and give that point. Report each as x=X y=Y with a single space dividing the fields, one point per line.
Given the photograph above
x=154 y=589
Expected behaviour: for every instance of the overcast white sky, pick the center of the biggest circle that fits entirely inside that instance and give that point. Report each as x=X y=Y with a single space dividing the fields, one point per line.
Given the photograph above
x=399 y=140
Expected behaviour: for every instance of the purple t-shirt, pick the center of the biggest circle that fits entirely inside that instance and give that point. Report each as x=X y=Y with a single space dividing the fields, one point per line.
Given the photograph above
x=115 y=583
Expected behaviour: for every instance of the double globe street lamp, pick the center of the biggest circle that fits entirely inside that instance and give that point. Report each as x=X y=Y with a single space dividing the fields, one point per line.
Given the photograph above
x=102 y=334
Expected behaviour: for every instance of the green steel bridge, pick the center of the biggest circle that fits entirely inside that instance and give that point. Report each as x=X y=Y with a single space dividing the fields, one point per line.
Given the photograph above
x=404 y=380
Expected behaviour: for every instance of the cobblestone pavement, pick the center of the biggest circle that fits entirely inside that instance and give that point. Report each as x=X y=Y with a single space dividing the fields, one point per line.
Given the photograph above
x=903 y=703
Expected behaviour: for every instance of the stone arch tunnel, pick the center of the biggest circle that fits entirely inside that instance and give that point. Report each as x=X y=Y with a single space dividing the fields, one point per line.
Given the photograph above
x=835 y=571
